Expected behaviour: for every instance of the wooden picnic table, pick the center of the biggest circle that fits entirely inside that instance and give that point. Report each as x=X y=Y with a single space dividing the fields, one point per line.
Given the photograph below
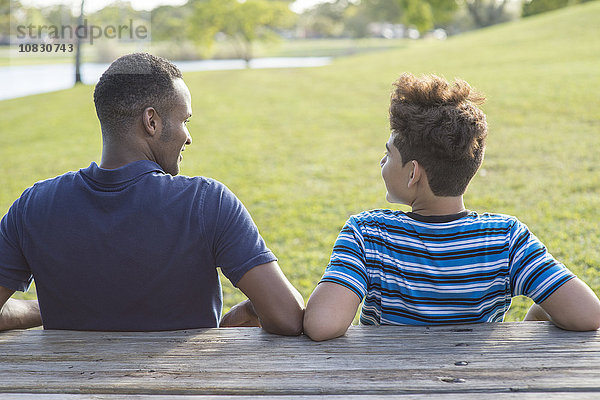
x=497 y=360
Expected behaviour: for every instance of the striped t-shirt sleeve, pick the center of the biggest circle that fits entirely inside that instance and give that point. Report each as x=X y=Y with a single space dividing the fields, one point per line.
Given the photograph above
x=347 y=266
x=533 y=271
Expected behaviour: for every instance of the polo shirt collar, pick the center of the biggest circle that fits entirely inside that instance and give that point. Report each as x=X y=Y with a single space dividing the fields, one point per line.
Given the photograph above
x=122 y=174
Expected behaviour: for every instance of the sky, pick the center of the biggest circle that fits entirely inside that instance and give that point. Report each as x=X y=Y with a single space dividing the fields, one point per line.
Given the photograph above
x=94 y=5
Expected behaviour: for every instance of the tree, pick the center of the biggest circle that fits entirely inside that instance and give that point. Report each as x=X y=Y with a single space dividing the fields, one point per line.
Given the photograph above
x=383 y=10
x=242 y=22
x=325 y=19
x=422 y=14
x=443 y=11
x=487 y=12
x=117 y=13
x=5 y=16
x=59 y=14
x=169 y=23
x=78 y=47
x=533 y=7
x=418 y=13
x=356 y=22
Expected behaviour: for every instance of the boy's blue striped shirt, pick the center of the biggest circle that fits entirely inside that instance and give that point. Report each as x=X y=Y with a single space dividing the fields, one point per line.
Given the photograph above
x=466 y=270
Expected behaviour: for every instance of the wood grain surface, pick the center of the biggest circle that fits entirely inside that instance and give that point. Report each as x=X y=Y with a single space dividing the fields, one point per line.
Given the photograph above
x=501 y=360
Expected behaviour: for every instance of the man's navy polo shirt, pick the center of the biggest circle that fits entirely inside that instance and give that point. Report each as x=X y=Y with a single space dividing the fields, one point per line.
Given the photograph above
x=126 y=249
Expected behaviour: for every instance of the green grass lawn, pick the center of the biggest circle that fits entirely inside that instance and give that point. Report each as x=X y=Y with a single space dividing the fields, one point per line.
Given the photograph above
x=301 y=147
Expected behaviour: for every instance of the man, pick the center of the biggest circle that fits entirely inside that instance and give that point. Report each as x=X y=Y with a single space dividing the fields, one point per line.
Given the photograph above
x=129 y=245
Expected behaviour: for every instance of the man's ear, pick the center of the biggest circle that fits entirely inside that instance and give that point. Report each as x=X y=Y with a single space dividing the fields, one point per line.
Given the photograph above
x=151 y=121
x=415 y=172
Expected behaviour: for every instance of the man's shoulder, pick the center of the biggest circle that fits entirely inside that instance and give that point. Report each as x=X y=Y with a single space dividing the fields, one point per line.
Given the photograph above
x=181 y=184
x=199 y=182
x=50 y=183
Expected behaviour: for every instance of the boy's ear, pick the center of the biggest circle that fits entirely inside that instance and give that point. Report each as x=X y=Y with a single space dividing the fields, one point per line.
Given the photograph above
x=415 y=172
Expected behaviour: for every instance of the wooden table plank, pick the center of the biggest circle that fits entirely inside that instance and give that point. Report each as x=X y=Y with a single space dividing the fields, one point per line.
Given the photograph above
x=503 y=359
x=450 y=396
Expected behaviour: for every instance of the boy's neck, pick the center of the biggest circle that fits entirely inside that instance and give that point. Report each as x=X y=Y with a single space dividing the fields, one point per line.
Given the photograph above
x=439 y=206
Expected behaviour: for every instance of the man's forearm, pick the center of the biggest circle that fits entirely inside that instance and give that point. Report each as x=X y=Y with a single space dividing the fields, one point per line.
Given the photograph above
x=287 y=318
x=20 y=314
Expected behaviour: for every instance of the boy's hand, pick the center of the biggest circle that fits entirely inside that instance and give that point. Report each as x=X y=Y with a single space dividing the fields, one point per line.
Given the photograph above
x=573 y=306
x=242 y=314
x=330 y=311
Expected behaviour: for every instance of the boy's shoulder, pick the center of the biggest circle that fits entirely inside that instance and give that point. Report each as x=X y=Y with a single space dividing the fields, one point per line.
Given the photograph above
x=378 y=215
x=493 y=217
x=498 y=220
x=397 y=217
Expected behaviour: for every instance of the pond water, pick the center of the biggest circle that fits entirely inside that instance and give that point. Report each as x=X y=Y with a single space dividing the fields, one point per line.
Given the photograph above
x=24 y=80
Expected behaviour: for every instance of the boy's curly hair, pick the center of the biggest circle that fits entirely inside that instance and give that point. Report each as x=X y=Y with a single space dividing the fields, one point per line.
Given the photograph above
x=439 y=125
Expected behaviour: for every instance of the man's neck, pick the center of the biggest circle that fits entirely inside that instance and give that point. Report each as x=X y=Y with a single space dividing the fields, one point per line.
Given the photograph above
x=117 y=155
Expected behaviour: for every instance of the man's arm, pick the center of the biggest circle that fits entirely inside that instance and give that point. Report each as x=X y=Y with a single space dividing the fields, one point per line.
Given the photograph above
x=573 y=306
x=18 y=314
x=278 y=305
x=329 y=311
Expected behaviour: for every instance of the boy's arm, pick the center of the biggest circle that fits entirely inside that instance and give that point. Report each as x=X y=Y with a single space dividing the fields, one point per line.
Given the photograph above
x=329 y=311
x=573 y=306
x=18 y=314
x=278 y=305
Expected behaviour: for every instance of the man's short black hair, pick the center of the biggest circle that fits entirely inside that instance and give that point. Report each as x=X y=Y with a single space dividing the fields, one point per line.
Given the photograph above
x=131 y=84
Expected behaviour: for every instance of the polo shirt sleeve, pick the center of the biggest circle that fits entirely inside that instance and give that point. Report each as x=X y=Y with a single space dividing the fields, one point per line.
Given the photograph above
x=347 y=265
x=237 y=245
x=15 y=273
x=533 y=271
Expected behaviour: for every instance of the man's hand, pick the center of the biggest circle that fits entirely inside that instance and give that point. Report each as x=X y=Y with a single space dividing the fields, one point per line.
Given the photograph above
x=279 y=306
x=18 y=314
x=242 y=314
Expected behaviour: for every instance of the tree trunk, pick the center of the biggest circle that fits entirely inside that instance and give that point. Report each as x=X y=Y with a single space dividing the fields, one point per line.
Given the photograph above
x=78 y=47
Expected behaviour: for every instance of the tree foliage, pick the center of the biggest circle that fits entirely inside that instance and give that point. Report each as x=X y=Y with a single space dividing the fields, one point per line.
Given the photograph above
x=418 y=13
x=487 y=12
x=5 y=6
x=242 y=22
x=169 y=23
x=351 y=18
x=383 y=10
x=326 y=19
x=443 y=11
x=533 y=7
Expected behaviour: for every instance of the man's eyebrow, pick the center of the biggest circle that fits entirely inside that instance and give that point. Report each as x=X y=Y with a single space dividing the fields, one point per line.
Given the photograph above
x=387 y=147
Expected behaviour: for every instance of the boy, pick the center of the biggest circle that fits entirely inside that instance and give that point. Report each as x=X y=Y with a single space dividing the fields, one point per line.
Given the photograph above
x=440 y=263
